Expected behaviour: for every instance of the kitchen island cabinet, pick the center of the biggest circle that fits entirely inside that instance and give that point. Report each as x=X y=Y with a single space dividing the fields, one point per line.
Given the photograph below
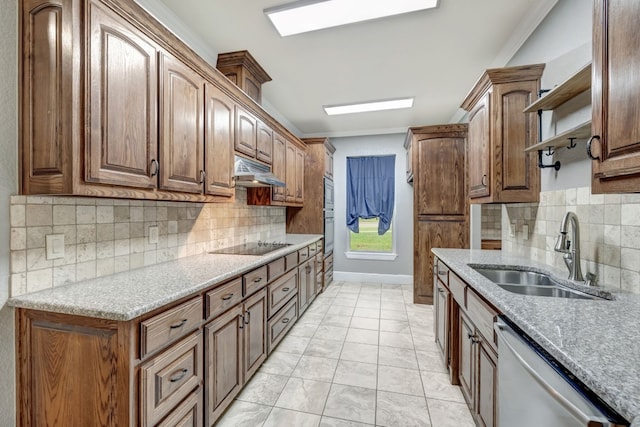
x=164 y=344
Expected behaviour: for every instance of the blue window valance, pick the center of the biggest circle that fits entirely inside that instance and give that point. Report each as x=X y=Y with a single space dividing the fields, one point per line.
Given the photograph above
x=370 y=190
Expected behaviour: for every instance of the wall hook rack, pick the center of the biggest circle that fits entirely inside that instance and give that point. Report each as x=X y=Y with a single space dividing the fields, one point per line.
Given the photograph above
x=541 y=165
x=550 y=152
x=572 y=143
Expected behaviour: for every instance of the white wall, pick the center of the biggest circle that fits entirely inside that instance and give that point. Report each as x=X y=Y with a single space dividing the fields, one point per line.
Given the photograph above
x=563 y=43
x=403 y=213
x=8 y=186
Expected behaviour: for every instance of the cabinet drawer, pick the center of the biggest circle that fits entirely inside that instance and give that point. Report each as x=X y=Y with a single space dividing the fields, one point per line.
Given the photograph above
x=328 y=263
x=320 y=246
x=303 y=255
x=255 y=280
x=187 y=414
x=291 y=261
x=170 y=325
x=224 y=297
x=482 y=315
x=312 y=250
x=458 y=289
x=281 y=290
x=167 y=378
x=275 y=269
x=281 y=323
x=443 y=272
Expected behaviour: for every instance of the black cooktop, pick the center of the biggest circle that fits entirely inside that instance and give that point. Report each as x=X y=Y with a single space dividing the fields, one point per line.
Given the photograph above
x=251 y=248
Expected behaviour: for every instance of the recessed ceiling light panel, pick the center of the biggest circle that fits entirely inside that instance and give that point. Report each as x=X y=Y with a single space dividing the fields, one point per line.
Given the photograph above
x=310 y=15
x=390 y=104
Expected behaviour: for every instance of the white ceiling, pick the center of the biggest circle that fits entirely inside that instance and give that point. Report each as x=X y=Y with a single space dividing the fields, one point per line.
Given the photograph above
x=435 y=56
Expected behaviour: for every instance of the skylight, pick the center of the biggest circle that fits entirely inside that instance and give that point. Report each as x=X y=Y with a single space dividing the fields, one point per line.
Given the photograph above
x=310 y=15
x=390 y=104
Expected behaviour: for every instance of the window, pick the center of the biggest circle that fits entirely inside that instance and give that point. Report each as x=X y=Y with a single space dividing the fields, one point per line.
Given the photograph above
x=370 y=206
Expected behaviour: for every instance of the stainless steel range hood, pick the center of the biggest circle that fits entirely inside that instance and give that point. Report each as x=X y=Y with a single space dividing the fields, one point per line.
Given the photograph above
x=249 y=173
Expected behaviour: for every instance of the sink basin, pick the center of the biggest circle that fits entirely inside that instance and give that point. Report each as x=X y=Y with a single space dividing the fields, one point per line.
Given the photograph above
x=530 y=283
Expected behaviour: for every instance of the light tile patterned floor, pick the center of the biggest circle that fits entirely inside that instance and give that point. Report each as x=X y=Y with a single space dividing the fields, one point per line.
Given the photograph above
x=362 y=355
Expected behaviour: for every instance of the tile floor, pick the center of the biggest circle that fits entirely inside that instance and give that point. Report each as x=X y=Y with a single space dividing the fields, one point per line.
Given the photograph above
x=361 y=355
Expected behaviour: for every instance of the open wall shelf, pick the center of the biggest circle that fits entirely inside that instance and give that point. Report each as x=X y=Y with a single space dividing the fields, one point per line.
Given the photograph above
x=573 y=86
x=564 y=139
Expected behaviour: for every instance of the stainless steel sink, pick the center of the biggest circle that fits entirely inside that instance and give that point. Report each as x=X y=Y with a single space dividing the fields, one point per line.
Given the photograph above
x=530 y=283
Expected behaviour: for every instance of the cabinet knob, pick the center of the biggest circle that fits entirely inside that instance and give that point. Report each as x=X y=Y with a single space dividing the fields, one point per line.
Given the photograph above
x=589 y=152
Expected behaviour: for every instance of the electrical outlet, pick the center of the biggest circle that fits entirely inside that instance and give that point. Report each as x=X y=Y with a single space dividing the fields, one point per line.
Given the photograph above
x=55 y=246
x=153 y=234
x=512 y=230
x=525 y=232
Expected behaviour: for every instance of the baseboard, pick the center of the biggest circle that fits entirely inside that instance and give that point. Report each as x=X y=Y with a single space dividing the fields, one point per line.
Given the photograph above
x=347 y=276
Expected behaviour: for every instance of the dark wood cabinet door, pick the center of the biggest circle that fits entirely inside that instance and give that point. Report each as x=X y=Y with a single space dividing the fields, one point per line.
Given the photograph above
x=480 y=148
x=466 y=359
x=46 y=87
x=246 y=132
x=290 y=176
x=219 y=136
x=264 y=144
x=223 y=362
x=181 y=127
x=615 y=96
x=255 y=332
x=278 y=166
x=441 y=187
x=122 y=145
x=433 y=234
x=299 y=193
x=487 y=385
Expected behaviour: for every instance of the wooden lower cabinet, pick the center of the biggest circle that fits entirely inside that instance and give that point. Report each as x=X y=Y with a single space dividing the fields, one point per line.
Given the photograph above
x=464 y=335
x=179 y=365
x=236 y=346
x=306 y=284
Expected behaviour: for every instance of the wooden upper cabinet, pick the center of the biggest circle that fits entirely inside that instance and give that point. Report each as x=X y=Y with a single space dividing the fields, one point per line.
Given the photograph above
x=290 y=175
x=123 y=141
x=264 y=144
x=479 y=148
x=47 y=81
x=299 y=183
x=246 y=132
x=278 y=166
x=181 y=127
x=499 y=132
x=219 y=136
x=328 y=162
x=440 y=189
x=615 y=96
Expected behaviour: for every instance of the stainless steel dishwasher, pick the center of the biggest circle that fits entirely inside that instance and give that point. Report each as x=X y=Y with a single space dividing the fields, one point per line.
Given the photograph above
x=535 y=390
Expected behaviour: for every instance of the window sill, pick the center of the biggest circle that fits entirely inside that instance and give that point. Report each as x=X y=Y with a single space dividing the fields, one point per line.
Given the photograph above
x=374 y=256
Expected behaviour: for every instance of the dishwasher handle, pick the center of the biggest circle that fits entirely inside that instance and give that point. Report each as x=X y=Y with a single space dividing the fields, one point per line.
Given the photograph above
x=502 y=330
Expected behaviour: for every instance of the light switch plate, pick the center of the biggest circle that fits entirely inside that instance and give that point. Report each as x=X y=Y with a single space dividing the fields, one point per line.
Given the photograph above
x=55 y=246
x=153 y=234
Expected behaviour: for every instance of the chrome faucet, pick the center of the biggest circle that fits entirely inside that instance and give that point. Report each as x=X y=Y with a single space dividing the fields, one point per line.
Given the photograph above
x=571 y=256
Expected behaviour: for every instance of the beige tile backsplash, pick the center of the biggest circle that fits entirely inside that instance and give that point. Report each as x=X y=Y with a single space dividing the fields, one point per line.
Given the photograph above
x=106 y=236
x=609 y=233
x=491 y=222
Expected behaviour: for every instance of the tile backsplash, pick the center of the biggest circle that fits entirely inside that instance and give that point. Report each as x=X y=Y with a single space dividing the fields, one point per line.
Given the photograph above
x=491 y=222
x=609 y=233
x=106 y=236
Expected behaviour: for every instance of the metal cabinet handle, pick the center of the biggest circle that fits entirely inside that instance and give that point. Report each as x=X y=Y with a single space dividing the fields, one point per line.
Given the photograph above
x=285 y=289
x=474 y=338
x=178 y=325
x=440 y=290
x=484 y=180
x=241 y=325
x=285 y=320
x=227 y=297
x=156 y=169
x=589 y=153
x=248 y=319
x=180 y=375
x=203 y=176
x=257 y=280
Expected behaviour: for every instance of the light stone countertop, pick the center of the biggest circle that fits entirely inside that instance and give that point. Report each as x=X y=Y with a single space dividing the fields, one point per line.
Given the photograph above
x=127 y=295
x=597 y=340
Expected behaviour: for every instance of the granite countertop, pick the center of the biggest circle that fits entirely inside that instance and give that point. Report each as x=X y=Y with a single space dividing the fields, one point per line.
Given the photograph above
x=597 y=340
x=127 y=295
